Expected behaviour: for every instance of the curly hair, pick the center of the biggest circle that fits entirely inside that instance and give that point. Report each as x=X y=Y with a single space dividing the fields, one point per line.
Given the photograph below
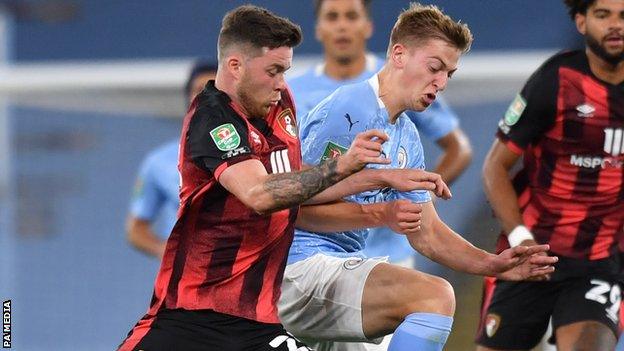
x=578 y=6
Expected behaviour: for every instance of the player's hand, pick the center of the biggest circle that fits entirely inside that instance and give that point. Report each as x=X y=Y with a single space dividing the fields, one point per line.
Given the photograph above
x=365 y=149
x=403 y=216
x=523 y=263
x=533 y=243
x=417 y=179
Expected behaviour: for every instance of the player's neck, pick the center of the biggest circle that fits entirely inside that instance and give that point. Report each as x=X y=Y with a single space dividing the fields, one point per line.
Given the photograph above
x=392 y=100
x=608 y=72
x=224 y=84
x=344 y=69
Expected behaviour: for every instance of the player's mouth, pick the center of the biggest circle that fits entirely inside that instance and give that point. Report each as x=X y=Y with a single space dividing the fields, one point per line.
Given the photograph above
x=614 y=39
x=428 y=99
x=342 y=42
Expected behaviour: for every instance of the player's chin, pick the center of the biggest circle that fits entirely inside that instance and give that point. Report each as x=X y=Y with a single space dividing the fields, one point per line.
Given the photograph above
x=420 y=106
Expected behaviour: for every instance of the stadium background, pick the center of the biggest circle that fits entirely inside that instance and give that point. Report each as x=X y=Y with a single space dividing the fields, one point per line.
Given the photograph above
x=88 y=87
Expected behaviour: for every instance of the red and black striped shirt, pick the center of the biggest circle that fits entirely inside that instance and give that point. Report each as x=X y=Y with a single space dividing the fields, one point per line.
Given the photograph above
x=222 y=255
x=569 y=126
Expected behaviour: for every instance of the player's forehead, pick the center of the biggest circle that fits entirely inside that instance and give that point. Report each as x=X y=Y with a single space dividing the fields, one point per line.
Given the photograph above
x=341 y=6
x=606 y=6
x=280 y=57
x=439 y=50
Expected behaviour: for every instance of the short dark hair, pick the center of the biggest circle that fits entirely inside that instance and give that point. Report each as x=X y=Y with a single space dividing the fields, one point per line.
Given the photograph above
x=578 y=6
x=256 y=27
x=200 y=67
x=319 y=3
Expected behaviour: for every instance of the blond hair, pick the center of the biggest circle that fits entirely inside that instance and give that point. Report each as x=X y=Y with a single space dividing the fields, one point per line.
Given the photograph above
x=420 y=23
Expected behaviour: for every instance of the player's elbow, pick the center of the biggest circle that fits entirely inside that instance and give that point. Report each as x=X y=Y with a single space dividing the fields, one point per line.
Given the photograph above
x=261 y=203
x=133 y=233
x=463 y=148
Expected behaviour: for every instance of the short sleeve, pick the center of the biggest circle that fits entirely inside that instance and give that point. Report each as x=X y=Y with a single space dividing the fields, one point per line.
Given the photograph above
x=436 y=121
x=147 y=198
x=216 y=141
x=532 y=112
x=321 y=139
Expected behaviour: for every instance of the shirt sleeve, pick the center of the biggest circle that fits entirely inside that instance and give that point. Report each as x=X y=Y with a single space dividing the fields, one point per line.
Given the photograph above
x=147 y=198
x=436 y=121
x=321 y=139
x=216 y=141
x=532 y=112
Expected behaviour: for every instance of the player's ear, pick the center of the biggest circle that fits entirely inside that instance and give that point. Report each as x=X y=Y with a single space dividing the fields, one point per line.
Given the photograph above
x=579 y=20
x=398 y=54
x=317 y=33
x=369 y=29
x=233 y=64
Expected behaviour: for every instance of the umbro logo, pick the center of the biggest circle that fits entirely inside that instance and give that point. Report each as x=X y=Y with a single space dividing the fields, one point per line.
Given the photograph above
x=585 y=110
x=351 y=123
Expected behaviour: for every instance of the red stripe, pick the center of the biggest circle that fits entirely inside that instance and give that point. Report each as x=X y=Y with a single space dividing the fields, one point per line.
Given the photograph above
x=138 y=332
x=489 y=285
x=513 y=147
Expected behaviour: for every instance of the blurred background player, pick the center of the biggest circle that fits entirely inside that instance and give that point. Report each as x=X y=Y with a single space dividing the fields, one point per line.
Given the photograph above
x=568 y=125
x=155 y=199
x=343 y=27
x=331 y=292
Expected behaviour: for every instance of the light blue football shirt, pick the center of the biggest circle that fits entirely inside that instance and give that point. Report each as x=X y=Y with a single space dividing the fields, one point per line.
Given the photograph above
x=434 y=123
x=156 y=193
x=328 y=130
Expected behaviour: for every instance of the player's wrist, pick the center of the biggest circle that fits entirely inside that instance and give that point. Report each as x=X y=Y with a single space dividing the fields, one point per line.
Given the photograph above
x=518 y=235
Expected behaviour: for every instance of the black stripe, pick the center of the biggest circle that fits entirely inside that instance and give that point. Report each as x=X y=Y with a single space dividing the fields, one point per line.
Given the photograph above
x=615 y=98
x=179 y=231
x=253 y=283
x=587 y=233
x=546 y=224
x=545 y=166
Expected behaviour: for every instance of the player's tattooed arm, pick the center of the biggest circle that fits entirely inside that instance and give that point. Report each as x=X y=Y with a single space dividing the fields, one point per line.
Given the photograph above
x=290 y=189
x=266 y=193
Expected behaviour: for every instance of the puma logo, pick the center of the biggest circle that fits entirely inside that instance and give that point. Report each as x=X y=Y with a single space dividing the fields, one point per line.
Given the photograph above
x=351 y=123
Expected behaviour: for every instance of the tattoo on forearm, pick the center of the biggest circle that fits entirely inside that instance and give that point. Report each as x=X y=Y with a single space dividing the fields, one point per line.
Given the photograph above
x=290 y=189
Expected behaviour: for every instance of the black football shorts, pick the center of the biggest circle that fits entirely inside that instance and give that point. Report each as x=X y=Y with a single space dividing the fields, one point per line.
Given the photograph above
x=516 y=314
x=208 y=330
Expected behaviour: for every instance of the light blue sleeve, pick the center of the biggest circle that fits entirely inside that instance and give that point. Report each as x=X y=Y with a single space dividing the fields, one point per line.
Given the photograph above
x=321 y=132
x=147 y=198
x=415 y=160
x=436 y=121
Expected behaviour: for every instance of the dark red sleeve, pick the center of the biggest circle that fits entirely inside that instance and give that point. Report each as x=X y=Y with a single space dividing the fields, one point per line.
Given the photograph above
x=533 y=111
x=217 y=140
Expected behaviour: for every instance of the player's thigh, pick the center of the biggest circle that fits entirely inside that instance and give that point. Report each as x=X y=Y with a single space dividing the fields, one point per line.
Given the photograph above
x=516 y=315
x=322 y=298
x=392 y=292
x=586 y=315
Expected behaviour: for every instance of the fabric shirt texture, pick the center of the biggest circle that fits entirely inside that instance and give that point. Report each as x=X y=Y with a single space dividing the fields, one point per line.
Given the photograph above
x=156 y=191
x=222 y=255
x=328 y=131
x=435 y=122
x=569 y=126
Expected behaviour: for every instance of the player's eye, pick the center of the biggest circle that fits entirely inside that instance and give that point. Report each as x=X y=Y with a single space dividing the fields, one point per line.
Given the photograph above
x=332 y=16
x=352 y=15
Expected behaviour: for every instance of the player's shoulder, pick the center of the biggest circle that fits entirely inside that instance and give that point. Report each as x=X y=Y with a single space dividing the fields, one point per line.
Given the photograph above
x=164 y=153
x=562 y=58
x=356 y=96
x=213 y=104
x=302 y=78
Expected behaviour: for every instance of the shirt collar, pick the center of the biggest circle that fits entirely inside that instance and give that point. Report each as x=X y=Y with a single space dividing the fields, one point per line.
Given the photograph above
x=374 y=83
